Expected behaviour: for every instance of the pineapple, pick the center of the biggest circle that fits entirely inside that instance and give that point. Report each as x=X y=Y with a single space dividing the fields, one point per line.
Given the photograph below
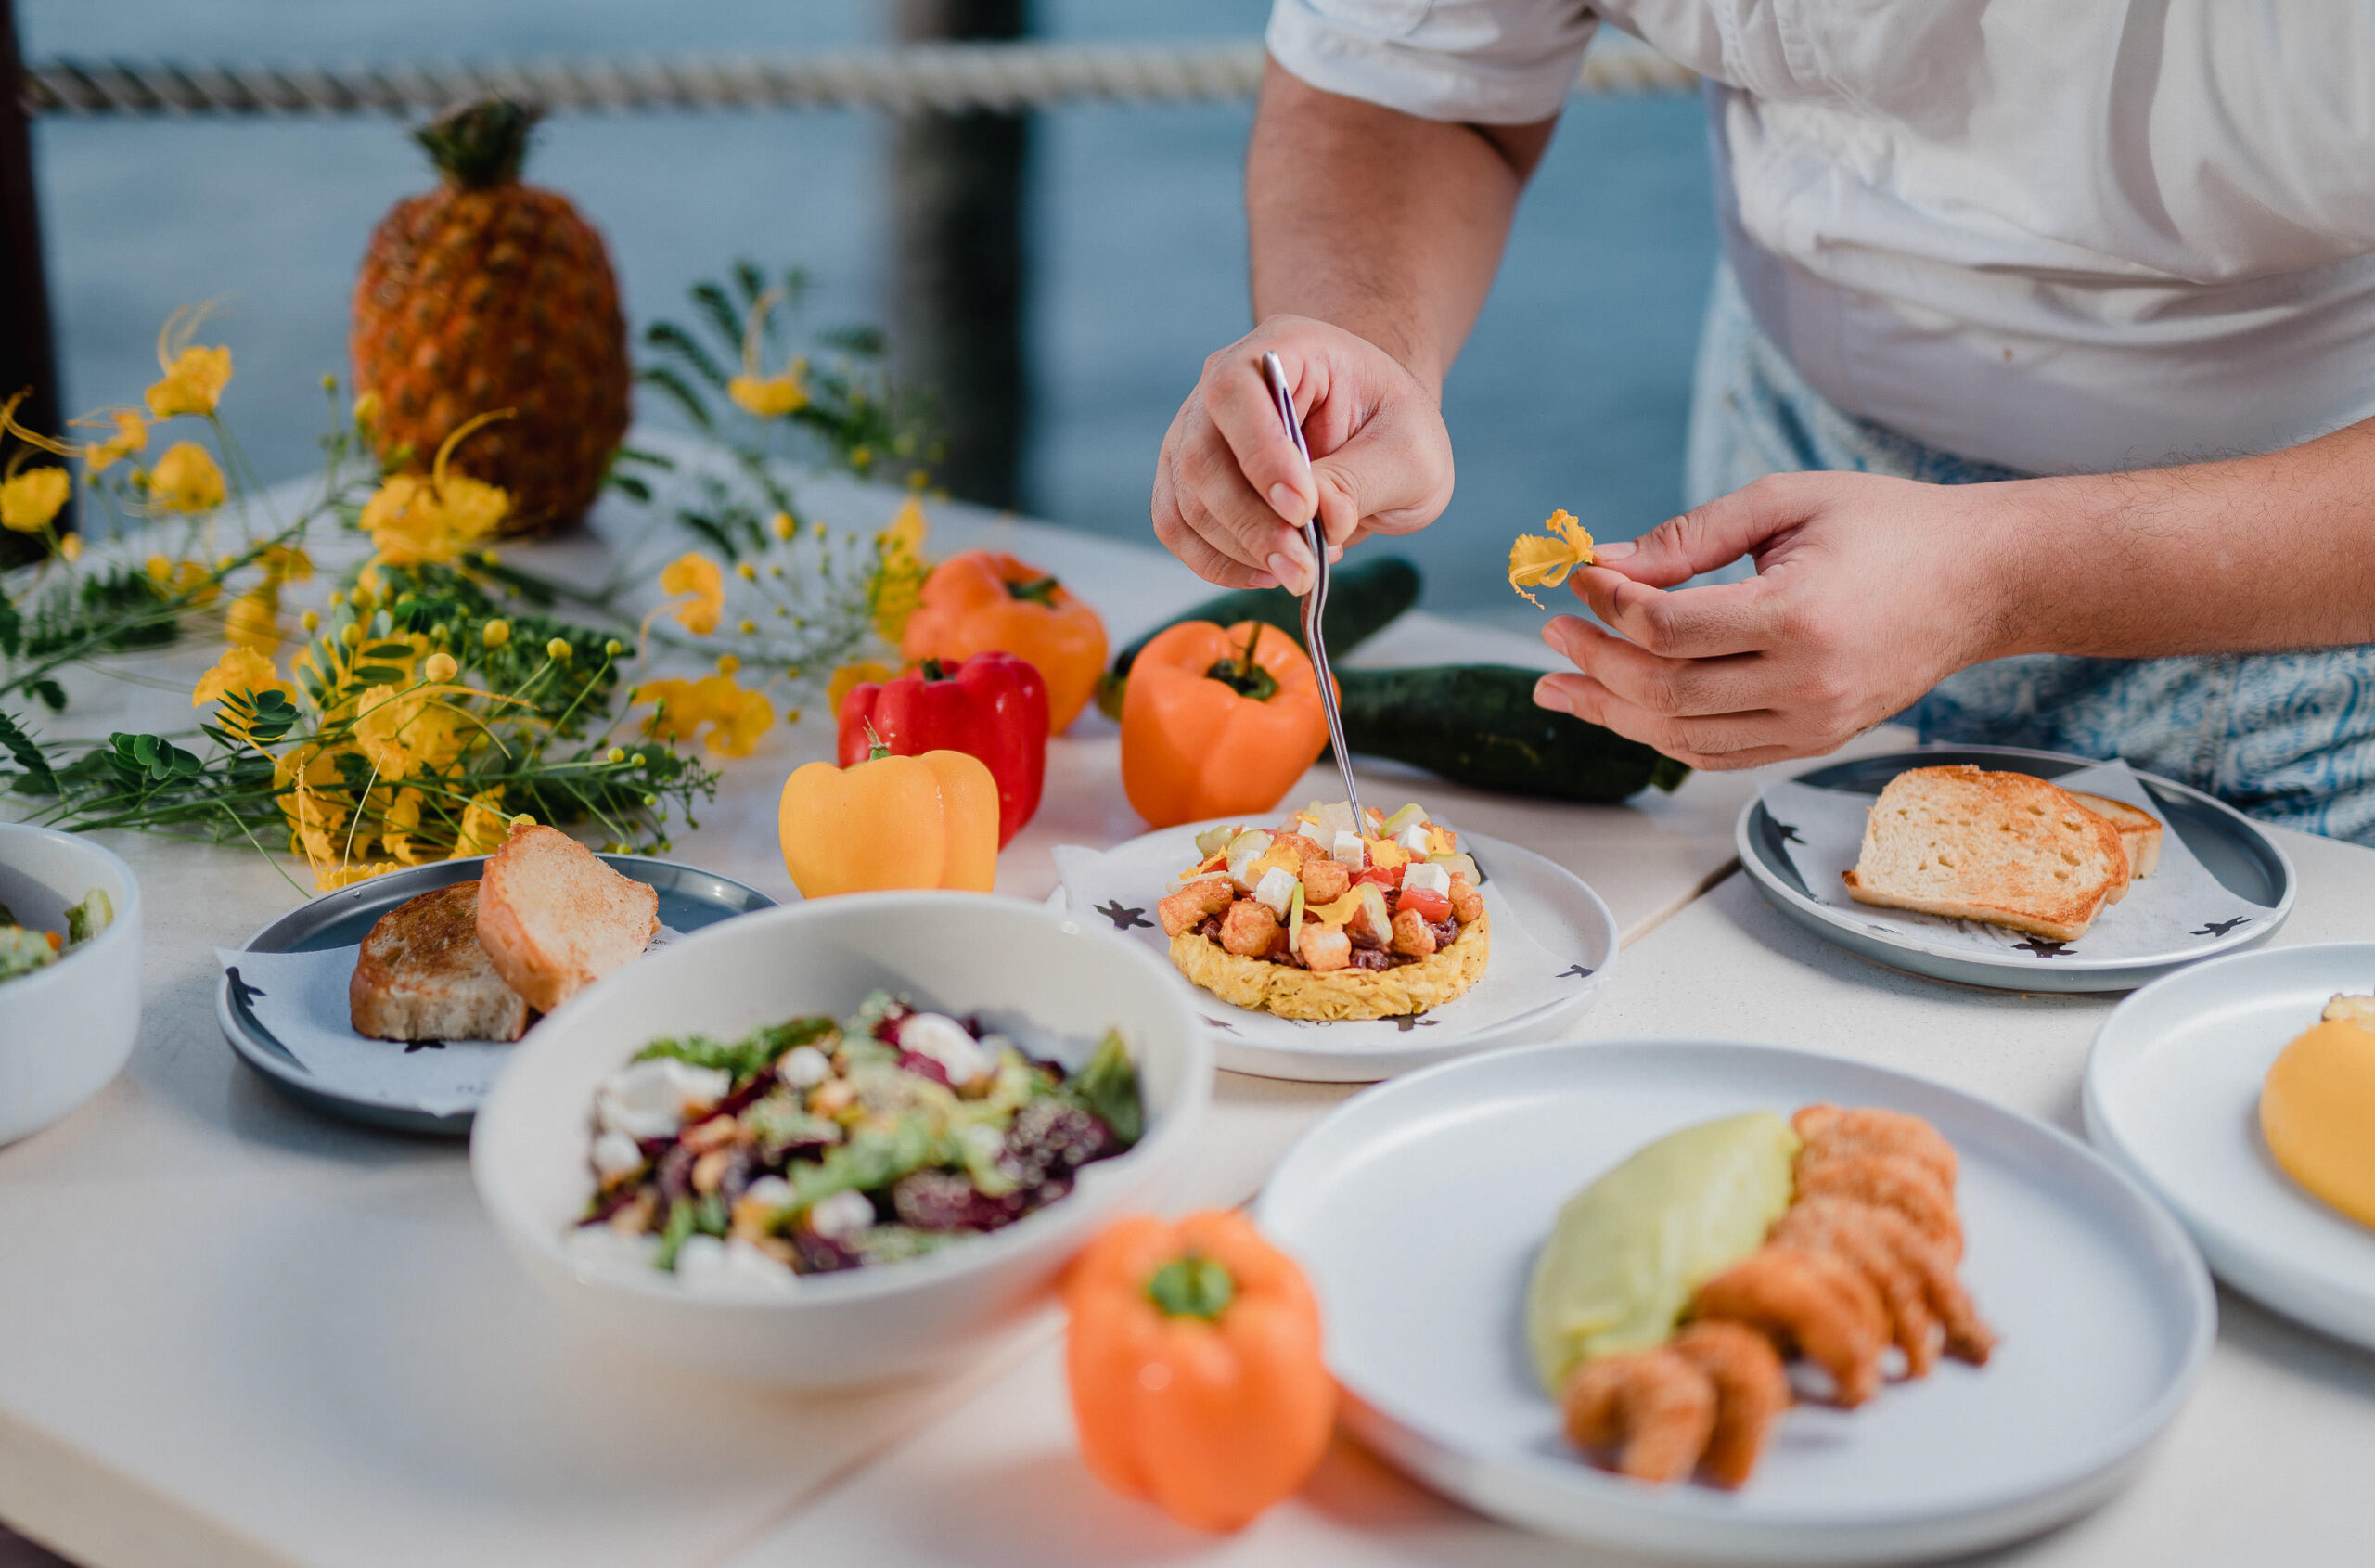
x=486 y=295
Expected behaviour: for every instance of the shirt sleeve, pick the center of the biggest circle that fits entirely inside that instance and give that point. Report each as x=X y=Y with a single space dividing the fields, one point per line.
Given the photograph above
x=1501 y=62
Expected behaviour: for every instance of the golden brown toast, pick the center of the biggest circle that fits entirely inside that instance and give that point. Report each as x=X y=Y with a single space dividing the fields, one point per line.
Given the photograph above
x=2139 y=830
x=422 y=975
x=555 y=920
x=2001 y=847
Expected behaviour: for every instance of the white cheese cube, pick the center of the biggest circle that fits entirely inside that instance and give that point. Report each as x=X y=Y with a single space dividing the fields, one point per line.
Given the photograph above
x=1414 y=839
x=841 y=1213
x=1426 y=877
x=1276 y=890
x=945 y=1040
x=653 y=1099
x=615 y=1154
x=1349 y=851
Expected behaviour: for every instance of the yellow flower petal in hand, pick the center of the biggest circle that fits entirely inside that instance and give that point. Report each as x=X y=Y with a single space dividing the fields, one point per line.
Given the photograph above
x=1535 y=561
x=694 y=573
x=31 y=497
x=185 y=479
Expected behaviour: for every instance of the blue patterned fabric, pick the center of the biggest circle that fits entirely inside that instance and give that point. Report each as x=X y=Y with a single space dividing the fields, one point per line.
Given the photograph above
x=2289 y=738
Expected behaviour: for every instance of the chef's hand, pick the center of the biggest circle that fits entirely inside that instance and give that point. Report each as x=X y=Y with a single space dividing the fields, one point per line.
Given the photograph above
x=1230 y=493
x=1868 y=591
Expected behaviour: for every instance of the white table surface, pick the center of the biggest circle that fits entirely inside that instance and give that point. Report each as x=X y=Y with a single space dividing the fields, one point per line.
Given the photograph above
x=233 y=1331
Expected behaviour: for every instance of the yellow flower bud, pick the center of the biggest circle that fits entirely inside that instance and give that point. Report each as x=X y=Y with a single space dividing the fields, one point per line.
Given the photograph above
x=351 y=634
x=861 y=457
x=489 y=557
x=70 y=548
x=338 y=596
x=440 y=668
x=557 y=650
x=615 y=755
x=614 y=648
x=223 y=562
x=747 y=626
x=745 y=570
x=791 y=715
x=495 y=633
x=311 y=621
x=366 y=408
x=636 y=759
x=781 y=524
x=728 y=663
x=524 y=819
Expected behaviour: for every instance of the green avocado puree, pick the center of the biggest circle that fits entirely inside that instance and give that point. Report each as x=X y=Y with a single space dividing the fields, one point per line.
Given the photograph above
x=1629 y=1252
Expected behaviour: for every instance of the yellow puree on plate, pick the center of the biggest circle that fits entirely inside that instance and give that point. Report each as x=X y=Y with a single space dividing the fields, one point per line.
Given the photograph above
x=2317 y=1114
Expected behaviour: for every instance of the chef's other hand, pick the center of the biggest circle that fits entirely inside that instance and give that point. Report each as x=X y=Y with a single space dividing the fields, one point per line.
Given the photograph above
x=1230 y=493
x=1868 y=591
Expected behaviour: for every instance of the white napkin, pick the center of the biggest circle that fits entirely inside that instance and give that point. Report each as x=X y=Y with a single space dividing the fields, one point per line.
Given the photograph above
x=2180 y=908
x=1122 y=885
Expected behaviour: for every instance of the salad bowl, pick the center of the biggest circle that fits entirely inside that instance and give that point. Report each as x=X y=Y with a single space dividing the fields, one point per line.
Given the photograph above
x=66 y=1029
x=1049 y=979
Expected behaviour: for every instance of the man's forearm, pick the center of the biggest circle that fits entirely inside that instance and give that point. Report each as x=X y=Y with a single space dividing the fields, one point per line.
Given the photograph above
x=1378 y=222
x=2249 y=555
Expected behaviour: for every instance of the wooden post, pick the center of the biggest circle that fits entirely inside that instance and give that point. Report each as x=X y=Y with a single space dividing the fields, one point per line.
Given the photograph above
x=26 y=357
x=957 y=310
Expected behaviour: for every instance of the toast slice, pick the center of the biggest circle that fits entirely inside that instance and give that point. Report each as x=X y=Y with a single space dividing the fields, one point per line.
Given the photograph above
x=555 y=920
x=2000 y=847
x=421 y=975
x=2139 y=830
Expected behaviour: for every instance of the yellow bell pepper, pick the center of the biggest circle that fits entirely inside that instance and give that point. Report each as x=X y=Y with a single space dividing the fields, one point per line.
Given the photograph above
x=928 y=821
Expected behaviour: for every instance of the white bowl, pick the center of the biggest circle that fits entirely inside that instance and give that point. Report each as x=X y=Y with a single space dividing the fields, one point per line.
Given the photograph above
x=957 y=951
x=65 y=1029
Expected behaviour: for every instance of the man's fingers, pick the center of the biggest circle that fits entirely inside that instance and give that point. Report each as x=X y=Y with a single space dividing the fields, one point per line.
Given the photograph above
x=1714 y=534
x=1215 y=500
x=1691 y=623
x=1677 y=687
x=1734 y=740
x=1238 y=400
x=1169 y=508
x=1385 y=479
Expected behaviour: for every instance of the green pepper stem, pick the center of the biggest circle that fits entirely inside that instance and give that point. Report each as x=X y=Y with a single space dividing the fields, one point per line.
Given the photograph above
x=1192 y=1285
x=876 y=748
x=1039 y=590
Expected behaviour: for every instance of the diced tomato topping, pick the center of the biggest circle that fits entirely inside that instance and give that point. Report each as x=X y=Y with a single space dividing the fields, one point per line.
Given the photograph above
x=1386 y=877
x=1430 y=905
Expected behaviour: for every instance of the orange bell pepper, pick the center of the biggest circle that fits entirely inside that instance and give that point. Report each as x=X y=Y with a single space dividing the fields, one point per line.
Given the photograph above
x=1218 y=723
x=1193 y=1358
x=890 y=822
x=980 y=601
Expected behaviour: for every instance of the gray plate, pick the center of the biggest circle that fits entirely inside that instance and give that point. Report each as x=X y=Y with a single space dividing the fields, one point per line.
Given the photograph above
x=1416 y=1210
x=689 y=899
x=2236 y=850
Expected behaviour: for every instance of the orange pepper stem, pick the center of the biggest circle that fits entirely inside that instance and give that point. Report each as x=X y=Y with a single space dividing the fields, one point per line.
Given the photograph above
x=876 y=747
x=1242 y=676
x=1039 y=590
x=1192 y=1285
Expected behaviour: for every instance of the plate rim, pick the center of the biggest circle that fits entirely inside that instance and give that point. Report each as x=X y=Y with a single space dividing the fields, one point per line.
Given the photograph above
x=2231 y=1254
x=1418 y=1056
x=1877 y=1536
x=292 y=1075
x=1986 y=968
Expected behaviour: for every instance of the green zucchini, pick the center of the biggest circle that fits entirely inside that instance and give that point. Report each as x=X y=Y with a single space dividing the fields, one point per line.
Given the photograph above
x=1361 y=601
x=1477 y=724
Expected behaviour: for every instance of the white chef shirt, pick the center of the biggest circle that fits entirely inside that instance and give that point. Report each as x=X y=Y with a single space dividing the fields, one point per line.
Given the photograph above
x=2058 y=237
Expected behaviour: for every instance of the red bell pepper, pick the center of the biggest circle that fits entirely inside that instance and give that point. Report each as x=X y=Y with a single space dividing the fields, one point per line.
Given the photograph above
x=993 y=706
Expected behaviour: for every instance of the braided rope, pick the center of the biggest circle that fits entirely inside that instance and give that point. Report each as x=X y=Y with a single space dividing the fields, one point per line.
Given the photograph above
x=944 y=78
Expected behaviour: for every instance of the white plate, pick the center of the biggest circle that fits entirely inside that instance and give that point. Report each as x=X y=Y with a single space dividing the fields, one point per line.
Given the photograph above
x=1417 y=1207
x=2173 y=1093
x=1545 y=917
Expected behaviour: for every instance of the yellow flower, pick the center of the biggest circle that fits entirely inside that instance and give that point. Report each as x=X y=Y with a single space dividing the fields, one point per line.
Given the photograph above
x=428 y=521
x=187 y=578
x=399 y=826
x=851 y=676
x=70 y=548
x=754 y=393
x=781 y=524
x=311 y=621
x=558 y=650
x=131 y=436
x=284 y=563
x=367 y=409
x=254 y=621
x=735 y=715
x=1537 y=561
x=440 y=668
x=897 y=585
x=742 y=717
x=495 y=633
x=29 y=498
x=728 y=663
x=194 y=377
x=244 y=671
x=484 y=825
x=185 y=479
x=694 y=574
x=404 y=734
